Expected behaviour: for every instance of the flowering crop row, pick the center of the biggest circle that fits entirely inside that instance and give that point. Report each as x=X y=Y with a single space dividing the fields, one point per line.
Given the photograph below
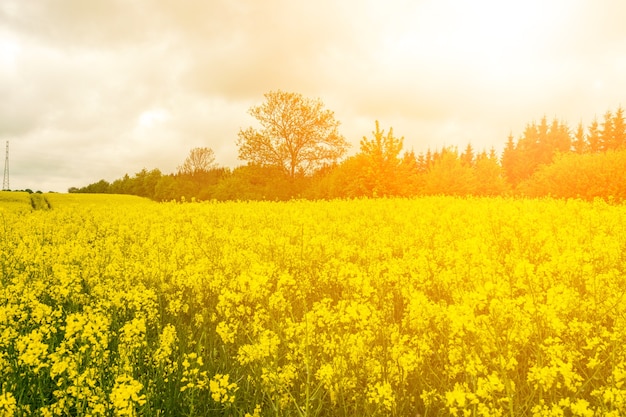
x=115 y=305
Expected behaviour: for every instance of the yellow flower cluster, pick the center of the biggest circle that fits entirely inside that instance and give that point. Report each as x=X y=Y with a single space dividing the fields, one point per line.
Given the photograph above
x=167 y=346
x=115 y=305
x=193 y=377
x=222 y=391
x=126 y=397
x=255 y=413
x=382 y=394
x=132 y=339
x=8 y=405
x=32 y=350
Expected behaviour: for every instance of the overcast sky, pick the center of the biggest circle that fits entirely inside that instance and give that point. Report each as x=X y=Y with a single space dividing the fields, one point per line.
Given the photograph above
x=95 y=89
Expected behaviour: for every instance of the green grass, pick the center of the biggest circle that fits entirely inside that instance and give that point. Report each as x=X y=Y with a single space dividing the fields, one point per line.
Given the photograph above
x=15 y=200
x=39 y=202
x=8 y=197
x=24 y=201
x=115 y=200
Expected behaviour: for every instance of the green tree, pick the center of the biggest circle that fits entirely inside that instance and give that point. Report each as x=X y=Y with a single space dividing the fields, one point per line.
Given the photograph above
x=198 y=176
x=100 y=187
x=145 y=182
x=255 y=182
x=165 y=189
x=297 y=135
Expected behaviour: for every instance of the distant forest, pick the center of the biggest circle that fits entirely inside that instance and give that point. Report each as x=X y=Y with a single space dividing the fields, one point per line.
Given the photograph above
x=548 y=159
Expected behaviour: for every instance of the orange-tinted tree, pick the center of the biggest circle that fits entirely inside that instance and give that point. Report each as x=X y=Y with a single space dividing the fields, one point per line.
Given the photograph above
x=538 y=146
x=585 y=176
x=579 y=144
x=618 y=134
x=593 y=136
x=606 y=132
x=448 y=175
x=380 y=163
x=411 y=177
x=488 y=176
x=511 y=162
x=467 y=157
x=297 y=135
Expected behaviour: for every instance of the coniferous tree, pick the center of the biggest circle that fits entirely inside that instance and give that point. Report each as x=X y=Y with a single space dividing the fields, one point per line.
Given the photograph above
x=510 y=158
x=467 y=157
x=529 y=151
x=619 y=129
x=488 y=175
x=422 y=164
x=559 y=139
x=410 y=178
x=606 y=133
x=579 y=144
x=542 y=150
x=429 y=159
x=593 y=136
x=380 y=160
x=449 y=176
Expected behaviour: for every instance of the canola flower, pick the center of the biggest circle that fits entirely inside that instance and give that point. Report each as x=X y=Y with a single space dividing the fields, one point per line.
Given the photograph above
x=222 y=391
x=255 y=413
x=8 y=405
x=115 y=305
x=167 y=346
x=126 y=397
x=192 y=377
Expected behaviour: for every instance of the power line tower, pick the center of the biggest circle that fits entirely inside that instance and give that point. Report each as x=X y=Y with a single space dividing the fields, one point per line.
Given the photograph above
x=5 y=179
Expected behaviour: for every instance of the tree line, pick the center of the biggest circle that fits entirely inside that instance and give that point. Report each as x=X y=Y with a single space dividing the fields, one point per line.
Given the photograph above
x=299 y=153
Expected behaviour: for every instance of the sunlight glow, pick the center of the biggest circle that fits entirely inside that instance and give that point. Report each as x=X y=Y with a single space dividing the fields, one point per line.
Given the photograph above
x=150 y=118
x=9 y=51
x=489 y=36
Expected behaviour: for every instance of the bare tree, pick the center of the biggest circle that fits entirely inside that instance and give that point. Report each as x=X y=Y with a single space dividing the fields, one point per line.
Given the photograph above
x=200 y=160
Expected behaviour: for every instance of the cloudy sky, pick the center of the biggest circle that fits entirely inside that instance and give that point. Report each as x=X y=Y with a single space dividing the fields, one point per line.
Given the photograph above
x=94 y=89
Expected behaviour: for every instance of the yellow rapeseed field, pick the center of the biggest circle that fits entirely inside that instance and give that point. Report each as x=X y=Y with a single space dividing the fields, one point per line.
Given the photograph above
x=118 y=306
